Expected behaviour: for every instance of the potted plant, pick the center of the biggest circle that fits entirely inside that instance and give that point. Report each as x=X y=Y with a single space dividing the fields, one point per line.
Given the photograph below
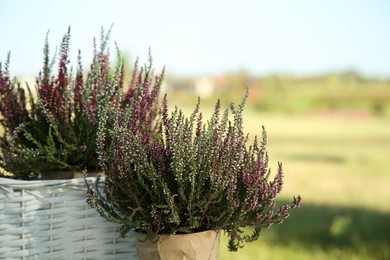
x=50 y=134
x=185 y=178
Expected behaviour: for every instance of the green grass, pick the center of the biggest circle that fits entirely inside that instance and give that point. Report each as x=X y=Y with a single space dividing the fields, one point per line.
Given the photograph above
x=339 y=164
x=322 y=232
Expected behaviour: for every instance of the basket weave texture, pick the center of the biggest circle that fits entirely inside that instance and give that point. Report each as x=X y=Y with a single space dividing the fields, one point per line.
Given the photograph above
x=51 y=220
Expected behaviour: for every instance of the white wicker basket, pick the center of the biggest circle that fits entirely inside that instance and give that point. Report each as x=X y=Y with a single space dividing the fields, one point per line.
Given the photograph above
x=51 y=220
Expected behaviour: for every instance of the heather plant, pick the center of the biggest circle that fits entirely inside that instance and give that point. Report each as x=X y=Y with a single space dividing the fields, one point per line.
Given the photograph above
x=185 y=175
x=56 y=131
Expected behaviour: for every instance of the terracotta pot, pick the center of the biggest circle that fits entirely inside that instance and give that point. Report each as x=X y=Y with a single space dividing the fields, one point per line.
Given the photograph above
x=196 y=246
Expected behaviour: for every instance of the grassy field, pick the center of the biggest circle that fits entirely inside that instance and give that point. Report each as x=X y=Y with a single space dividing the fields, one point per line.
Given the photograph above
x=339 y=164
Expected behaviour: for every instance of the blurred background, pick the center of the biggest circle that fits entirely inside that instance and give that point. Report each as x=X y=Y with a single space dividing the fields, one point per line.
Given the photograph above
x=318 y=74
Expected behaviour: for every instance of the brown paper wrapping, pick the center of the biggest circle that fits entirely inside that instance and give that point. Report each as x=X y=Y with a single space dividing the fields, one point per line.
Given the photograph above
x=195 y=246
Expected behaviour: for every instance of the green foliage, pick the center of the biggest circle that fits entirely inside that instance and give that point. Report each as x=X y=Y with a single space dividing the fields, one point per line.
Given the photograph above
x=184 y=175
x=56 y=131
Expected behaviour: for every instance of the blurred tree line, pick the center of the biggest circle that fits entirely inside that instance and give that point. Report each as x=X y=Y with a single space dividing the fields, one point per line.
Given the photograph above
x=347 y=91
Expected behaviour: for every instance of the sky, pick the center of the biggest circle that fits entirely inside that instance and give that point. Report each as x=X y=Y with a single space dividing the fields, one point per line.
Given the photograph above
x=206 y=37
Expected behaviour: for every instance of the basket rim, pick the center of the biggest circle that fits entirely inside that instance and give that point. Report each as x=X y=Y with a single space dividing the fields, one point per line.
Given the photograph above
x=25 y=184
